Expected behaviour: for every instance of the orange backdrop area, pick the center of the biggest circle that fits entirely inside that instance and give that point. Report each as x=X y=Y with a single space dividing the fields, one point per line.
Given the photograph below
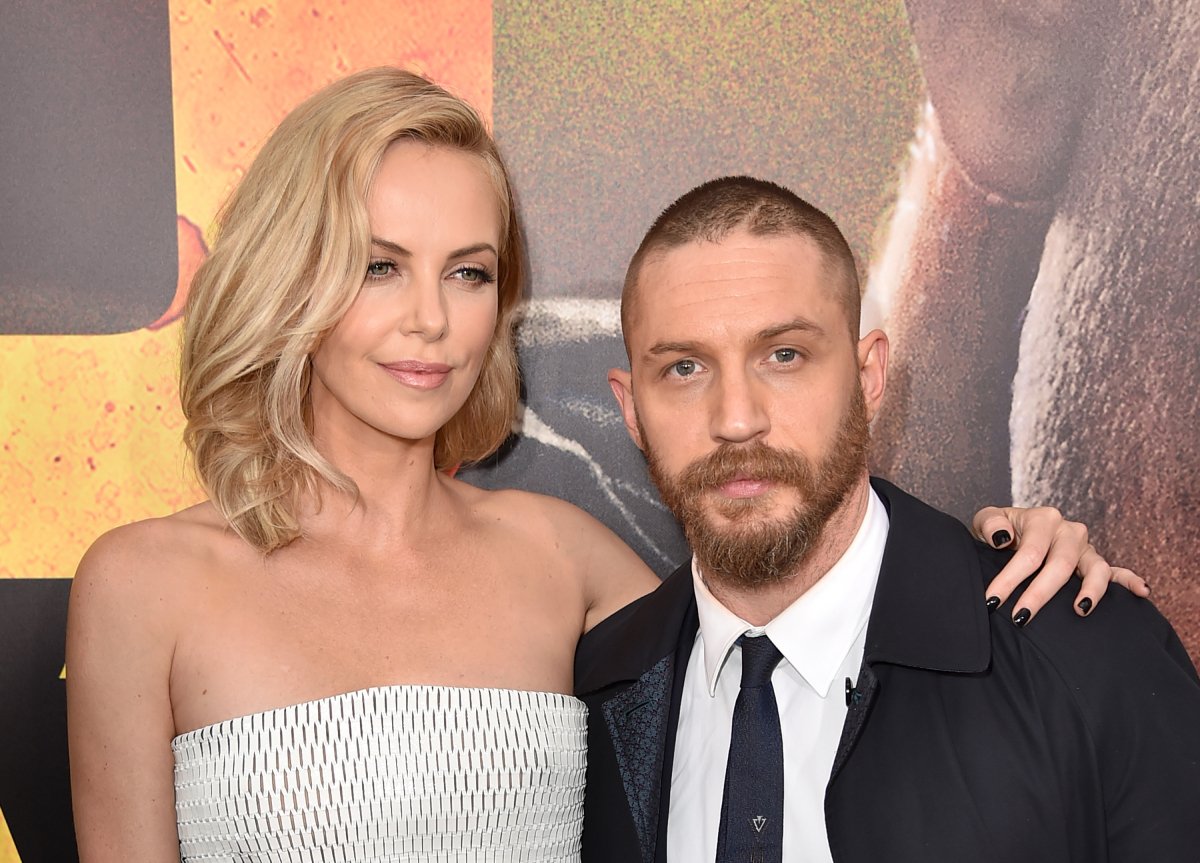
x=90 y=428
x=91 y=424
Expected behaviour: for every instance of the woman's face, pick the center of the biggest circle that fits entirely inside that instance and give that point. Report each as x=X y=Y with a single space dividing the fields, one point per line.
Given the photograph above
x=403 y=360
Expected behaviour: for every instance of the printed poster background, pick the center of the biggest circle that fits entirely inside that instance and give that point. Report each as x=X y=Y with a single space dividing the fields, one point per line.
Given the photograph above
x=1021 y=186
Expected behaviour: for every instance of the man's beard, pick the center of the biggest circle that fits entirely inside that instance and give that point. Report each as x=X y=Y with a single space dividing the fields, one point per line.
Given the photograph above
x=751 y=550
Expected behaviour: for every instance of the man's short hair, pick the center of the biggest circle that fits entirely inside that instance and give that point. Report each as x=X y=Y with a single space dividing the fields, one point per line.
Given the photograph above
x=713 y=210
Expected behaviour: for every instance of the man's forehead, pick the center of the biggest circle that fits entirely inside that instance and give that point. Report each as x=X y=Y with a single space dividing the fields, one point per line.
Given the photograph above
x=743 y=275
x=737 y=245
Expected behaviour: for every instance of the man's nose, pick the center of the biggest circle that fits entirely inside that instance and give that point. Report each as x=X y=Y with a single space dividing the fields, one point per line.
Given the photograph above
x=739 y=410
x=424 y=311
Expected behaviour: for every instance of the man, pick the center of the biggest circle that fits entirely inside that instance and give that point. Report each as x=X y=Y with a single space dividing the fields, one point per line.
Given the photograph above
x=821 y=682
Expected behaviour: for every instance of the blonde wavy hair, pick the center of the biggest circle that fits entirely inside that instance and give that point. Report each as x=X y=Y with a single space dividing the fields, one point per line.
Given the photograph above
x=291 y=253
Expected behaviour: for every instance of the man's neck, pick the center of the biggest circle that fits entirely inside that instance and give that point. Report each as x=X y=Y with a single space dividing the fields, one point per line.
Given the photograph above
x=760 y=605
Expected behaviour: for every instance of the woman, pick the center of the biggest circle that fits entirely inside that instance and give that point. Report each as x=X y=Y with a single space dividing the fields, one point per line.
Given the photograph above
x=346 y=653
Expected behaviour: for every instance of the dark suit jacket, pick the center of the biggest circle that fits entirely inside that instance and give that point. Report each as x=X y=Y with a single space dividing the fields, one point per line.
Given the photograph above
x=969 y=738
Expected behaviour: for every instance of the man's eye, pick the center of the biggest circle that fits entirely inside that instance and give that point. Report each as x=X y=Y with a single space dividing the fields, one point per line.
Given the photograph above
x=786 y=355
x=684 y=368
x=380 y=269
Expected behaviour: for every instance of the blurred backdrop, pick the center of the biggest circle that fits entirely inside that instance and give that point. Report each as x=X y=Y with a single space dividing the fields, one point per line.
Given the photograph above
x=1022 y=188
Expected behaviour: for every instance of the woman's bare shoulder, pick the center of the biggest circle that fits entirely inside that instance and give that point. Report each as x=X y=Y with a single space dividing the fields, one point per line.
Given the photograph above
x=527 y=510
x=611 y=573
x=138 y=560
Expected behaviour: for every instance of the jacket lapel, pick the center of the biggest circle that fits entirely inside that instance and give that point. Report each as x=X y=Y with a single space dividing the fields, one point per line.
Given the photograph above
x=857 y=711
x=925 y=614
x=637 y=653
x=637 y=722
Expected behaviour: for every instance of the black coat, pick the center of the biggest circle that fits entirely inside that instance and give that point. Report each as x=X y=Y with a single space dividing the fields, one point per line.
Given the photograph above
x=970 y=739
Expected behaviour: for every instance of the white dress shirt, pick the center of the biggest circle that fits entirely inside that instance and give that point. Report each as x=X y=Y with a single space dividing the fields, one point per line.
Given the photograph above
x=821 y=636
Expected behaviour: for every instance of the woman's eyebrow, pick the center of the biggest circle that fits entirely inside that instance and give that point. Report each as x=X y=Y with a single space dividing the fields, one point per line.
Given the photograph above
x=400 y=251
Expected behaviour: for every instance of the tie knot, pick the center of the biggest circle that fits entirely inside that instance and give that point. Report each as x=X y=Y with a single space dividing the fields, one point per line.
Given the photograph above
x=759 y=658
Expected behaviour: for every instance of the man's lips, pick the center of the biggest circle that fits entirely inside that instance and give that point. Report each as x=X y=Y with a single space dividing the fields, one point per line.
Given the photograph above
x=745 y=486
x=416 y=374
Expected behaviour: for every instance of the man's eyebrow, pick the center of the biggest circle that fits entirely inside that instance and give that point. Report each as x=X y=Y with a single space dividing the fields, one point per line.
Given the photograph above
x=793 y=325
x=803 y=325
x=399 y=250
x=660 y=348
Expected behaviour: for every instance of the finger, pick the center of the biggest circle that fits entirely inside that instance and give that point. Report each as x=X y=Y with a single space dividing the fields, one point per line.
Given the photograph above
x=1066 y=549
x=1096 y=575
x=1131 y=581
x=1027 y=558
x=1057 y=551
x=1049 y=579
x=992 y=525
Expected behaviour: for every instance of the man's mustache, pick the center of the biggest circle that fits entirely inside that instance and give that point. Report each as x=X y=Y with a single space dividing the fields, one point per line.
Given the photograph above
x=750 y=461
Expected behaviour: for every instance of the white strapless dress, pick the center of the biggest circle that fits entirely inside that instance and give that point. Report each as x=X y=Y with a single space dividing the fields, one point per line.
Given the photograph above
x=396 y=773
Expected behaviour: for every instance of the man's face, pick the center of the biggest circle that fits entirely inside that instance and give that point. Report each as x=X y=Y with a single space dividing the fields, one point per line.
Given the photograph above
x=749 y=397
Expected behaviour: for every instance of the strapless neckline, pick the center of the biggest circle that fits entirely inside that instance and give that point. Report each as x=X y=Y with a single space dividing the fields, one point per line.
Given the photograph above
x=388 y=774
x=537 y=694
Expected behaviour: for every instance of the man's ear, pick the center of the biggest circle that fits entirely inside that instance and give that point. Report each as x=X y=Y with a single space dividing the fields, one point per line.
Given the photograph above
x=872 y=369
x=621 y=383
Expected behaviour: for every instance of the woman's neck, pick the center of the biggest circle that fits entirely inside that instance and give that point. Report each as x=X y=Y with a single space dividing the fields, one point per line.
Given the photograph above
x=399 y=490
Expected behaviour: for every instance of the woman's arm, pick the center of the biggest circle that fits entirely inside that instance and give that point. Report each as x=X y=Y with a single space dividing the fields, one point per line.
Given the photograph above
x=120 y=640
x=613 y=574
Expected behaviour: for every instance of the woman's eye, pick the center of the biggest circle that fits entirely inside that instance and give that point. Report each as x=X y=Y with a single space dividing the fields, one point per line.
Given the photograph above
x=380 y=269
x=684 y=368
x=475 y=275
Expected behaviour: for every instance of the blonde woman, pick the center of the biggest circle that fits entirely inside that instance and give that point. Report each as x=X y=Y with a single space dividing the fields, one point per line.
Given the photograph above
x=347 y=654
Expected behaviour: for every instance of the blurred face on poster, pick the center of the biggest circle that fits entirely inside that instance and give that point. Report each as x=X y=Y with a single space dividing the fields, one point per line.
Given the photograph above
x=749 y=399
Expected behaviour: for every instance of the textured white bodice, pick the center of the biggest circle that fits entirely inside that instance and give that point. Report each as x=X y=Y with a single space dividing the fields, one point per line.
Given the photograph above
x=397 y=773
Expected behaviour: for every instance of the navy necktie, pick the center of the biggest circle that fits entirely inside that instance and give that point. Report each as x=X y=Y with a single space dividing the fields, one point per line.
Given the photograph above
x=752 y=810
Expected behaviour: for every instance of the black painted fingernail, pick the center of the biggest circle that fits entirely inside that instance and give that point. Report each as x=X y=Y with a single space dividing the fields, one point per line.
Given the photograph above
x=1001 y=537
x=1085 y=605
x=1022 y=617
x=993 y=602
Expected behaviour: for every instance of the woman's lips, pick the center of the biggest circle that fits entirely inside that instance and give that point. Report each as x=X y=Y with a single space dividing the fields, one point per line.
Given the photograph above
x=418 y=375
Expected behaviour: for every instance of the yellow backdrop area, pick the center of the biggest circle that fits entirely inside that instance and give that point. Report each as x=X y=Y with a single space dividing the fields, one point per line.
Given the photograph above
x=92 y=432
x=8 y=851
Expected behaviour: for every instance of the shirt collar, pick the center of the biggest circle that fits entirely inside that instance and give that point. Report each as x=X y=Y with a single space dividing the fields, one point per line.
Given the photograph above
x=817 y=631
